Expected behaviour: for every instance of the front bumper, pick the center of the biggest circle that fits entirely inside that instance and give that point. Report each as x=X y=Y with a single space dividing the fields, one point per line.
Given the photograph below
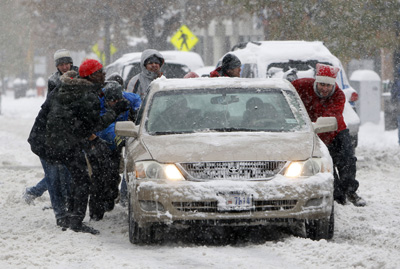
x=277 y=201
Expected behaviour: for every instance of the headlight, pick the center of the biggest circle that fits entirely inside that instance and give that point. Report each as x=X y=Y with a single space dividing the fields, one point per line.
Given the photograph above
x=304 y=168
x=155 y=170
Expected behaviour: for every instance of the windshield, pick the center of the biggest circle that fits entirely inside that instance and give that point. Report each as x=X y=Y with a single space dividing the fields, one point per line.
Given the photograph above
x=224 y=110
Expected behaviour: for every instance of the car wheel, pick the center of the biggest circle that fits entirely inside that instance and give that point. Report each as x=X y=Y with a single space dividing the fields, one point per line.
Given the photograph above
x=321 y=228
x=138 y=235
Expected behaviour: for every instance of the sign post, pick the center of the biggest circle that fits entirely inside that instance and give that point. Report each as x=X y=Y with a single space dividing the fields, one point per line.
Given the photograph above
x=98 y=49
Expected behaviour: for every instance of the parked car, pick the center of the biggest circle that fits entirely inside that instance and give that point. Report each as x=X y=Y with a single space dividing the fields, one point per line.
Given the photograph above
x=177 y=64
x=20 y=87
x=227 y=152
x=296 y=59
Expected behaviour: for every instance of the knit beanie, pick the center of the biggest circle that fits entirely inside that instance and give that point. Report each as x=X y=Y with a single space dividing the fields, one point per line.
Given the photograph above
x=229 y=62
x=88 y=67
x=112 y=91
x=62 y=56
x=152 y=59
x=115 y=77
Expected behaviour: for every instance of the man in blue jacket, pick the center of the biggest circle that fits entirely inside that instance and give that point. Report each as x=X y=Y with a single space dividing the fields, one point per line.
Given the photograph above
x=113 y=93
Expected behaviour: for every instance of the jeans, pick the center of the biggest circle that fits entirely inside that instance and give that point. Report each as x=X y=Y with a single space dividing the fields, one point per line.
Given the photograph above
x=57 y=180
x=39 y=188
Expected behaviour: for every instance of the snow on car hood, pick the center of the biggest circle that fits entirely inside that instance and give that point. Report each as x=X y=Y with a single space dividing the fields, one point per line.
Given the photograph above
x=244 y=146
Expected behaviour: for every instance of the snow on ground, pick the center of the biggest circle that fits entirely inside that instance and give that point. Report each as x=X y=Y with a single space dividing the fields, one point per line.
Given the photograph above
x=364 y=237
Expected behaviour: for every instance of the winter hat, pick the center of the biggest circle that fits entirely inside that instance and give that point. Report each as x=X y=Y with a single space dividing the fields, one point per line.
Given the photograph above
x=88 y=67
x=191 y=75
x=230 y=61
x=116 y=77
x=326 y=74
x=152 y=59
x=112 y=91
x=62 y=56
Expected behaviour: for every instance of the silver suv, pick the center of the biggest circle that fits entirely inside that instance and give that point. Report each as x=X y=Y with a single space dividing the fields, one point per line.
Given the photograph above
x=227 y=152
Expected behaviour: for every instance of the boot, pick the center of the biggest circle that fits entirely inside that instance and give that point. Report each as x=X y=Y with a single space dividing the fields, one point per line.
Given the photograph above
x=339 y=198
x=356 y=200
x=84 y=229
x=63 y=223
x=78 y=226
x=28 y=197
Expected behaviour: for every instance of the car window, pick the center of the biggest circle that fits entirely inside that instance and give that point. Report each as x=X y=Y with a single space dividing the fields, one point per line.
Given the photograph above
x=129 y=71
x=241 y=109
x=169 y=71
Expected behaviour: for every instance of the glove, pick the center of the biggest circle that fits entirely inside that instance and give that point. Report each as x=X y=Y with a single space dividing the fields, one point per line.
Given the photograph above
x=98 y=147
x=120 y=106
x=119 y=141
x=132 y=115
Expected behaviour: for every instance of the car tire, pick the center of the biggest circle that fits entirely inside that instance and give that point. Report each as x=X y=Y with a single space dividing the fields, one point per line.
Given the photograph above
x=138 y=235
x=321 y=228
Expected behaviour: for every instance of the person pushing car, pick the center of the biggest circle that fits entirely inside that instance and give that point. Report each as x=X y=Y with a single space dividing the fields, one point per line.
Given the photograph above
x=322 y=97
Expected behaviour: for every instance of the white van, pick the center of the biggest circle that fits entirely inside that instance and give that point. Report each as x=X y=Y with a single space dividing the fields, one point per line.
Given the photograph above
x=270 y=59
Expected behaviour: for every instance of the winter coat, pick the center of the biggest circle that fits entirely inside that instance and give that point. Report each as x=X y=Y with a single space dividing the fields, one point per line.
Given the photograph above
x=54 y=79
x=74 y=115
x=217 y=73
x=322 y=107
x=37 y=136
x=145 y=77
x=108 y=134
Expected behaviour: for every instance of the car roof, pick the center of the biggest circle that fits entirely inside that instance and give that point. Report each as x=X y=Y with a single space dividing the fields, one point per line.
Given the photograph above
x=273 y=51
x=164 y=84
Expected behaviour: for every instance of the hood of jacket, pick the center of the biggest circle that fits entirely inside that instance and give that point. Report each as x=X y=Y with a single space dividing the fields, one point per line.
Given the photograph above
x=73 y=87
x=147 y=54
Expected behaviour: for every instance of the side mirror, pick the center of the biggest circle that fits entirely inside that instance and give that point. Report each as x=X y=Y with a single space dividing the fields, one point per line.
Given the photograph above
x=325 y=124
x=126 y=128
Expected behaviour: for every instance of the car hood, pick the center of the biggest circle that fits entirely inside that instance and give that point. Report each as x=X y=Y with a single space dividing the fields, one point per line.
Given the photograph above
x=256 y=146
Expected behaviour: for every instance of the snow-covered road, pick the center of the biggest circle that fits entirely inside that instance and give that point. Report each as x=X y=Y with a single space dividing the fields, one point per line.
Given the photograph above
x=364 y=237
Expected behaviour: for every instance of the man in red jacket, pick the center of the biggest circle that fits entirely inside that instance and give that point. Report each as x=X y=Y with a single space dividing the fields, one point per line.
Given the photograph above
x=322 y=97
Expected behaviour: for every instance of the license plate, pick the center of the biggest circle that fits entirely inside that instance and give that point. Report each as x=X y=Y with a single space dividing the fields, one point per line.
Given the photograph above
x=235 y=201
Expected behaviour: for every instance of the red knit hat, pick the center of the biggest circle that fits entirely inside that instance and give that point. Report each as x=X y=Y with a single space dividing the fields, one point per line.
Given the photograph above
x=326 y=74
x=191 y=75
x=88 y=67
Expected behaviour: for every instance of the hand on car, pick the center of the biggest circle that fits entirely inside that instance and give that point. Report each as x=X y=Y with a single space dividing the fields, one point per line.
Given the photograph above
x=120 y=106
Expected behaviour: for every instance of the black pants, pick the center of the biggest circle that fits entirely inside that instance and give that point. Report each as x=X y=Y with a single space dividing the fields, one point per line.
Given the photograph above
x=105 y=180
x=344 y=162
x=75 y=162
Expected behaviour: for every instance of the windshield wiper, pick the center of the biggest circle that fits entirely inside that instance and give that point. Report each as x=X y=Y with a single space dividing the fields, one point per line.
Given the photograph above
x=170 y=132
x=233 y=129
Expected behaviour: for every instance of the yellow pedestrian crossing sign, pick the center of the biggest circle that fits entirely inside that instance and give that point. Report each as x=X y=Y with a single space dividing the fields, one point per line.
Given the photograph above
x=184 y=39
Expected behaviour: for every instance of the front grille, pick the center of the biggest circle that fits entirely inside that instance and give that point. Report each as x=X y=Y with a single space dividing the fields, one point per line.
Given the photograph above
x=244 y=170
x=274 y=205
x=196 y=206
x=212 y=207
